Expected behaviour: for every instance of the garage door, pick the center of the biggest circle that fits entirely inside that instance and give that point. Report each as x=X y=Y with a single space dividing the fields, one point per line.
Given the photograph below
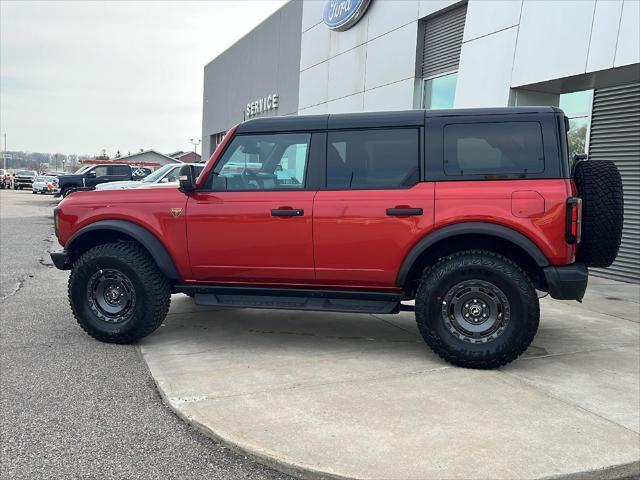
x=615 y=135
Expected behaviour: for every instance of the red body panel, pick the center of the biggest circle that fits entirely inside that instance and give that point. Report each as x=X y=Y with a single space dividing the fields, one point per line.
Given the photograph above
x=232 y=237
x=515 y=204
x=148 y=207
x=356 y=242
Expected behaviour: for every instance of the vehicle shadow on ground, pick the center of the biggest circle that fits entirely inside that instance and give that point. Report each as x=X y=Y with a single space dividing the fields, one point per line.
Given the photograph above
x=190 y=327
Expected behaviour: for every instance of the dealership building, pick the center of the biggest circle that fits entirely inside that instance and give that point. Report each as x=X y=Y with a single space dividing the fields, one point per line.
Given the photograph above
x=335 y=56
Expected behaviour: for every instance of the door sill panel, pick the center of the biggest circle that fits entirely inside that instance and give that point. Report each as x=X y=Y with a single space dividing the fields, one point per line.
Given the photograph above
x=294 y=299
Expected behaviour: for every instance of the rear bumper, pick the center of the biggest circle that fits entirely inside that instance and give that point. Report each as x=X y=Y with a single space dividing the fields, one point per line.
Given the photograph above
x=60 y=259
x=568 y=282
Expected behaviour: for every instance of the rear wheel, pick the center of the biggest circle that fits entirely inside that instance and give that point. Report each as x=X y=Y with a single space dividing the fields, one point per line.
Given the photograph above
x=477 y=309
x=117 y=294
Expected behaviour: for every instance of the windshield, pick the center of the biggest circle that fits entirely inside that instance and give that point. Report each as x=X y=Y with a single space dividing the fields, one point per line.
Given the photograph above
x=26 y=173
x=158 y=174
x=82 y=169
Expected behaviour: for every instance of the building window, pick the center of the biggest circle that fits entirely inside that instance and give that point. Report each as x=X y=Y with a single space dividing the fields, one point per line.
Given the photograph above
x=440 y=92
x=577 y=107
x=215 y=140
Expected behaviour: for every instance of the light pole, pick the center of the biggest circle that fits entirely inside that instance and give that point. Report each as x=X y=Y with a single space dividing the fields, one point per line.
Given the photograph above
x=4 y=153
x=195 y=145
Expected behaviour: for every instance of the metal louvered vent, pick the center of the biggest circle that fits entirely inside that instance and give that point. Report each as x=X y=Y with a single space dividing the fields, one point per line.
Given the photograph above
x=442 y=42
x=615 y=135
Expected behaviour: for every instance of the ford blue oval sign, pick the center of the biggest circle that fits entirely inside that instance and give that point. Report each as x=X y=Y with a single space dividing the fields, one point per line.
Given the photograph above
x=341 y=15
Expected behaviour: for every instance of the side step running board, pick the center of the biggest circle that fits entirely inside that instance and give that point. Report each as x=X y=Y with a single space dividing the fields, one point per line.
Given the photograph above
x=294 y=299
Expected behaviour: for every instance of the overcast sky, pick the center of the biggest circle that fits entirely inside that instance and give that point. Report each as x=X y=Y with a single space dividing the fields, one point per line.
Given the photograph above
x=77 y=77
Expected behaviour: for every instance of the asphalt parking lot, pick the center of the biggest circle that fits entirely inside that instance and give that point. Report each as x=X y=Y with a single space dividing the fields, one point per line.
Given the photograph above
x=71 y=407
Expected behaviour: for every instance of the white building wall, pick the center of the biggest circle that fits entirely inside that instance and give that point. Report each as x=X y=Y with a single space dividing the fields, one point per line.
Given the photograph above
x=371 y=66
x=509 y=44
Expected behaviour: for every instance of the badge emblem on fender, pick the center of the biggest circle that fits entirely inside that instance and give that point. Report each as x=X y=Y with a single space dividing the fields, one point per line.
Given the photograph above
x=176 y=212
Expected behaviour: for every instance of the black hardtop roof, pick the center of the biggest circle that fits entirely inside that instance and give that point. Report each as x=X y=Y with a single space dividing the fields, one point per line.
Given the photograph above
x=374 y=119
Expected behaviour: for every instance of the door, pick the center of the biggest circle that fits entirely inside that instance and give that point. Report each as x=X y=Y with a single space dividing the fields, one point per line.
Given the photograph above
x=374 y=208
x=252 y=221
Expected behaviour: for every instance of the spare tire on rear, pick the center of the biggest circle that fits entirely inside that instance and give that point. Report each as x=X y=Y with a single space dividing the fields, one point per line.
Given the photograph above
x=600 y=188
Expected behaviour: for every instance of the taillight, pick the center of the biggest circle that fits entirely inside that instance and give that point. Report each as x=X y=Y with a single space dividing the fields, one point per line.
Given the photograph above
x=574 y=220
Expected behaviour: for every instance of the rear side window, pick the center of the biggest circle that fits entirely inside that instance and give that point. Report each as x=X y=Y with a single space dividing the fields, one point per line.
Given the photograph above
x=500 y=148
x=119 y=170
x=372 y=159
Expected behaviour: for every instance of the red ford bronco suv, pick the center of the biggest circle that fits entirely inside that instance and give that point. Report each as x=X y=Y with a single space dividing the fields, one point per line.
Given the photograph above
x=467 y=212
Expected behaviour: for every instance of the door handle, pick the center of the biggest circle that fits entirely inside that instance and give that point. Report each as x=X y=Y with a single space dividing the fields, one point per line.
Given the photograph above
x=287 y=212
x=403 y=211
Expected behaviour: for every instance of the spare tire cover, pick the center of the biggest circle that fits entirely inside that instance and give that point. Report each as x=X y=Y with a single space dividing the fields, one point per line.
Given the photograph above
x=600 y=188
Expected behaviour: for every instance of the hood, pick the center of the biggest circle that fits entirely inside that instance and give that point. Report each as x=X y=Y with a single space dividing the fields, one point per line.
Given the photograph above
x=119 y=185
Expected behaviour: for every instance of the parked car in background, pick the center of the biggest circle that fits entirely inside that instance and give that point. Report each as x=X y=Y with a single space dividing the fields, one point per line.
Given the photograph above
x=24 y=179
x=45 y=184
x=166 y=174
x=3 y=180
x=89 y=176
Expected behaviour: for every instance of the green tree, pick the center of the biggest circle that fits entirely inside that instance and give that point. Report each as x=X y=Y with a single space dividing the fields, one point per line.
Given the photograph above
x=577 y=140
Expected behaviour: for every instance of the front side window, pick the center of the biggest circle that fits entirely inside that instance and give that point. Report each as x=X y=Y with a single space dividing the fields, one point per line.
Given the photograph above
x=500 y=148
x=373 y=159
x=440 y=92
x=101 y=171
x=264 y=162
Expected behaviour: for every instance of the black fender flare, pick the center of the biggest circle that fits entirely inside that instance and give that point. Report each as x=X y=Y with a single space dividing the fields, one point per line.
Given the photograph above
x=147 y=239
x=466 y=228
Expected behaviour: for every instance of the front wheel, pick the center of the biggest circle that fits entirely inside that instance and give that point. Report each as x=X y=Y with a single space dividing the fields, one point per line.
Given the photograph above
x=117 y=293
x=477 y=309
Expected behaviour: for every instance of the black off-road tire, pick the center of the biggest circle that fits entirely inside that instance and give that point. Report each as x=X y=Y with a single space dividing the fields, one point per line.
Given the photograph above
x=600 y=187
x=152 y=292
x=483 y=266
x=66 y=191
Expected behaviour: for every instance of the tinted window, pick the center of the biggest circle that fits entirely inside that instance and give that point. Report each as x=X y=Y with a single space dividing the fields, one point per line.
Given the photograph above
x=265 y=162
x=507 y=148
x=119 y=170
x=100 y=171
x=372 y=159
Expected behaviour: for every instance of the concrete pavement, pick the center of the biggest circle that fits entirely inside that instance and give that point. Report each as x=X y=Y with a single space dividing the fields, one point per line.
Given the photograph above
x=324 y=395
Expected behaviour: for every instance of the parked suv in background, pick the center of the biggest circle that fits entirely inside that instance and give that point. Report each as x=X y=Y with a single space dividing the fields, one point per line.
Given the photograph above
x=467 y=212
x=87 y=177
x=23 y=179
x=165 y=174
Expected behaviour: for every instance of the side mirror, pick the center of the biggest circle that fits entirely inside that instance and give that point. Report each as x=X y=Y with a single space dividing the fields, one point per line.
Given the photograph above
x=91 y=174
x=187 y=179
